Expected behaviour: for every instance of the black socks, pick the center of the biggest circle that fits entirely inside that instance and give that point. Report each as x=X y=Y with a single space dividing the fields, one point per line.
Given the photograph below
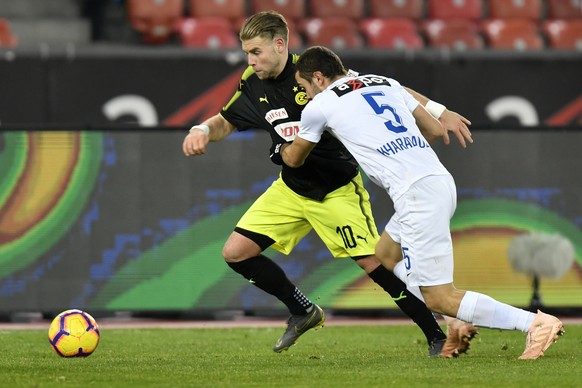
x=408 y=303
x=269 y=277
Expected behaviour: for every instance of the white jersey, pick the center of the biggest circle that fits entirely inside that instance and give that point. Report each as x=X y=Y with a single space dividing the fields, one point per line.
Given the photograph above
x=372 y=116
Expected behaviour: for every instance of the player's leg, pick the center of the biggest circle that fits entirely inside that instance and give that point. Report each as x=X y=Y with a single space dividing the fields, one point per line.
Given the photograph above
x=484 y=311
x=430 y=266
x=420 y=229
x=412 y=306
x=275 y=220
x=243 y=255
x=345 y=223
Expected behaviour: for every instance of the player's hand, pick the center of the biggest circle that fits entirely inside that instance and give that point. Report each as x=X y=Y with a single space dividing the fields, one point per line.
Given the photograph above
x=195 y=143
x=454 y=122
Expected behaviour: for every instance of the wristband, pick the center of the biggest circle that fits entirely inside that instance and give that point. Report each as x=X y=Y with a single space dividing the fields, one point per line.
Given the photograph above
x=204 y=128
x=435 y=109
x=276 y=156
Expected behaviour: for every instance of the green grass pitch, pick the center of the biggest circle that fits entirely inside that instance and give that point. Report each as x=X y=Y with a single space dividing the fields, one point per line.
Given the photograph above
x=334 y=356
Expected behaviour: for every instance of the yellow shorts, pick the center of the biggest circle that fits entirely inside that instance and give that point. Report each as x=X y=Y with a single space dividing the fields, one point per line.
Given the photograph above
x=343 y=220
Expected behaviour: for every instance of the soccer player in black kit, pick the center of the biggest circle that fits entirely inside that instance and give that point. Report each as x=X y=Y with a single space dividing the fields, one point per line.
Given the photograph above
x=325 y=194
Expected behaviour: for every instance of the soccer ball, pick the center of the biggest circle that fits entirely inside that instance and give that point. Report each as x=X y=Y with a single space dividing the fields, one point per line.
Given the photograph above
x=74 y=333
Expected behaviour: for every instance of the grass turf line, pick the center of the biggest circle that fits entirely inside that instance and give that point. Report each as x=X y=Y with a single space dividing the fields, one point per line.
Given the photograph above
x=336 y=356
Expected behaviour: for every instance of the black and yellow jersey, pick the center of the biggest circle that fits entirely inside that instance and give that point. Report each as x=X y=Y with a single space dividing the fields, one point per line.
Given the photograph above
x=275 y=105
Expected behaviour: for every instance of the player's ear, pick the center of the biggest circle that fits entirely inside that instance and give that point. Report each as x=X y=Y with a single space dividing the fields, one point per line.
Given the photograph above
x=318 y=77
x=280 y=44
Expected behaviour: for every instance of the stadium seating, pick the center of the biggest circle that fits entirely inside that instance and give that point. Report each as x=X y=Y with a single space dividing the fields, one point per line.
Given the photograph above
x=291 y=9
x=512 y=34
x=455 y=9
x=393 y=33
x=564 y=34
x=156 y=20
x=458 y=34
x=7 y=38
x=564 y=9
x=209 y=32
x=295 y=39
x=334 y=32
x=413 y=9
x=230 y=9
x=353 y=9
x=509 y=9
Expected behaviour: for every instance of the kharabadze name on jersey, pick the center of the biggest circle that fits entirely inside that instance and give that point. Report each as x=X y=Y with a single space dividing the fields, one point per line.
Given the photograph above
x=401 y=144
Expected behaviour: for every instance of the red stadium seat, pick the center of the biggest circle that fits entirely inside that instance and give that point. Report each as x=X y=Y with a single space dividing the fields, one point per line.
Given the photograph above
x=334 y=32
x=564 y=9
x=512 y=34
x=459 y=34
x=210 y=32
x=353 y=9
x=7 y=38
x=412 y=9
x=455 y=9
x=397 y=33
x=156 y=20
x=230 y=9
x=564 y=34
x=291 y=9
x=295 y=39
x=509 y=9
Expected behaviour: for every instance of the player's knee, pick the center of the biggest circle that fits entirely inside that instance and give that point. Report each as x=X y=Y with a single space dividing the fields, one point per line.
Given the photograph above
x=232 y=254
x=228 y=255
x=238 y=248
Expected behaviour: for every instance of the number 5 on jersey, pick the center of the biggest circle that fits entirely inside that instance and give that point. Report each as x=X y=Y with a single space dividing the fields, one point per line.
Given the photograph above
x=380 y=108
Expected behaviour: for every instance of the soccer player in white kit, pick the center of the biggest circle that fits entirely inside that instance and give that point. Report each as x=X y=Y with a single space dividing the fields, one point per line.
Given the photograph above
x=388 y=133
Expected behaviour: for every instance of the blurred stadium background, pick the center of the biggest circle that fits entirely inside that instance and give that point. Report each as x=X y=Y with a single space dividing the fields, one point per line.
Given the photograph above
x=99 y=209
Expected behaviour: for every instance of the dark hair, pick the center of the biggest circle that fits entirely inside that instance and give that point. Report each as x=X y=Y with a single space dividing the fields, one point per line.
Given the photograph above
x=319 y=58
x=267 y=24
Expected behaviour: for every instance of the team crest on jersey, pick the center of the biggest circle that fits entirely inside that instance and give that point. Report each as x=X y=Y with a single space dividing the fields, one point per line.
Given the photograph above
x=301 y=98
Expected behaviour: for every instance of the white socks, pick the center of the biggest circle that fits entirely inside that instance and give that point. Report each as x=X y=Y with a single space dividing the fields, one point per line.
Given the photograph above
x=484 y=311
x=481 y=310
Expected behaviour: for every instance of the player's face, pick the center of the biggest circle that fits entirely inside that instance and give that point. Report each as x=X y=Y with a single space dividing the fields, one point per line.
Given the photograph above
x=266 y=56
x=311 y=89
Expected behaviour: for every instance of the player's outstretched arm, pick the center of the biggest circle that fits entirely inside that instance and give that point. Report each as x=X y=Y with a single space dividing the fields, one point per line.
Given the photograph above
x=215 y=128
x=457 y=124
x=430 y=127
x=451 y=121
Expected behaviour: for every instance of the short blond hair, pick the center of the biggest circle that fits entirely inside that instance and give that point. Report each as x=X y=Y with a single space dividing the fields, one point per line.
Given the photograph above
x=266 y=24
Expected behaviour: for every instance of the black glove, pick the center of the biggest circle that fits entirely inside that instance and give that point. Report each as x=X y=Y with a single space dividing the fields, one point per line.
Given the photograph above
x=276 y=153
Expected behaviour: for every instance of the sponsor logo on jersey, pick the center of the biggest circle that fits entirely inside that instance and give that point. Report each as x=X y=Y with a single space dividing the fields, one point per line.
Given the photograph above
x=288 y=130
x=263 y=99
x=358 y=83
x=276 y=114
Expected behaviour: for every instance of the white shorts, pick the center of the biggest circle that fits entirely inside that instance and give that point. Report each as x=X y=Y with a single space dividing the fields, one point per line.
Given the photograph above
x=421 y=225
